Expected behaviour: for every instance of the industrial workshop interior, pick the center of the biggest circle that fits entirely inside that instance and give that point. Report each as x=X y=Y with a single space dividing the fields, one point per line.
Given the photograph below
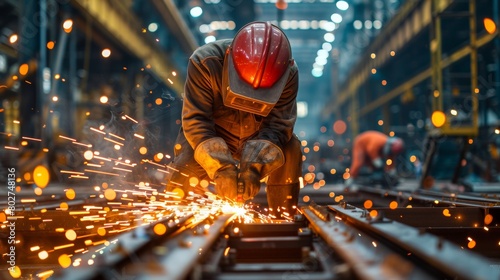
x=250 y=139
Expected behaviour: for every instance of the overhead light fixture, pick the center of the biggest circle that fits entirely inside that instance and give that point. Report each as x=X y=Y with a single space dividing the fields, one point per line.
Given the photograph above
x=342 y=5
x=196 y=11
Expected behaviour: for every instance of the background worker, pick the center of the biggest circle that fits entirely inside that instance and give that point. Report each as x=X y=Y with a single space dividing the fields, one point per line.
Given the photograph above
x=371 y=149
x=238 y=116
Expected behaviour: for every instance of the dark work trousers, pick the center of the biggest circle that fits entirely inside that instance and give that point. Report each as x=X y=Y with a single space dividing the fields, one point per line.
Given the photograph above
x=282 y=184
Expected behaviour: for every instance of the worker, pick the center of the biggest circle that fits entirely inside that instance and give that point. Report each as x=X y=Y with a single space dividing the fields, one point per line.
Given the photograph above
x=238 y=117
x=372 y=149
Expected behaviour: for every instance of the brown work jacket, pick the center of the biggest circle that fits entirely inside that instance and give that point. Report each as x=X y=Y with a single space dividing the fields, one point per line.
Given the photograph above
x=204 y=114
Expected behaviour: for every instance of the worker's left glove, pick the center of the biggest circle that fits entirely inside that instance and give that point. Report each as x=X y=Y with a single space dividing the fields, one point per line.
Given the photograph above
x=258 y=159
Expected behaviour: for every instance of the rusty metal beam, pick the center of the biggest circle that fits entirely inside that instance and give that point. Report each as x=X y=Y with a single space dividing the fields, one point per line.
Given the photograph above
x=459 y=54
x=411 y=12
x=122 y=25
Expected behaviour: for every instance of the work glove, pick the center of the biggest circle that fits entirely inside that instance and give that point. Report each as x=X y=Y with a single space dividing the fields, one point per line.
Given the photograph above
x=214 y=156
x=250 y=178
x=225 y=181
x=258 y=159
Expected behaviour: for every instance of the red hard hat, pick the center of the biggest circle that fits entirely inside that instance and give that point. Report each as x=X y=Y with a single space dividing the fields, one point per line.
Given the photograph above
x=397 y=145
x=257 y=66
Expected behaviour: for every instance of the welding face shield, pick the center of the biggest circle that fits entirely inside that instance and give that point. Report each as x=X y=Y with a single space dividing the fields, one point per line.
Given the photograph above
x=256 y=68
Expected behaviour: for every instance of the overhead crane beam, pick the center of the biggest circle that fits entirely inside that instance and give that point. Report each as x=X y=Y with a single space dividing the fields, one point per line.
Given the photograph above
x=123 y=25
x=445 y=62
x=413 y=17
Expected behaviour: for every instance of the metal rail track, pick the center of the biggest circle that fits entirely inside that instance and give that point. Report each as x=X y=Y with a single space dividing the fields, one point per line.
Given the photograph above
x=324 y=242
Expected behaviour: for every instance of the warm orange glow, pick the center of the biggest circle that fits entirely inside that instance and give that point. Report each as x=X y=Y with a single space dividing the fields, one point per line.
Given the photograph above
x=64 y=261
x=15 y=272
x=193 y=181
x=110 y=194
x=101 y=231
x=43 y=255
x=178 y=192
x=13 y=38
x=106 y=53
x=281 y=4
x=103 y=99
x=488 y=219
x=41 y=176
x=70 y=234
x=143 y=150
x=373 y=213
x=306 y=198
x=393 y=205
x=70 y=194
x=50 y=45
x=64 y=206
x=446 y=213
x=471 y=244
x=438 y=118
x=88 y=155
x=160 y=229
x=23 y=69
x=38 y=191
x=68 y=25
x=489 y=25
x=368 y=204
x=339 y=127
x=3 y=217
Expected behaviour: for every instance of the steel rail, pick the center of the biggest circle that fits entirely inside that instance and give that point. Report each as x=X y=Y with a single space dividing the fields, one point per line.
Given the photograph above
x=430 y=251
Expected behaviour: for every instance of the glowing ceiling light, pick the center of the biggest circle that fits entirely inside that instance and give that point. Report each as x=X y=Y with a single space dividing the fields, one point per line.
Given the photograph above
x=204 y=28
x=316 y=72
x=196 y=11
x=329 y=37
x=342 y=5
x=357 y=24
x=377 y=24
x=209 y=39
x=327 y=46
x=337 y=18
x=316 y=65
x=329 y=26
x=368 y=24
x=321 y=60
x=152 y=27
x=322 y=53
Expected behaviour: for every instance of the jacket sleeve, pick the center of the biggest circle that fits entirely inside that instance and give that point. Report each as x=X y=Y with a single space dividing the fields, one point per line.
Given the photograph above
x=197 y=121
x=277 y=127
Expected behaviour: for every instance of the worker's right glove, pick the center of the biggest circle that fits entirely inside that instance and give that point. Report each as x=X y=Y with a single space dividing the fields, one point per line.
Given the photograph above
x=214 y=156
x=258 y=159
